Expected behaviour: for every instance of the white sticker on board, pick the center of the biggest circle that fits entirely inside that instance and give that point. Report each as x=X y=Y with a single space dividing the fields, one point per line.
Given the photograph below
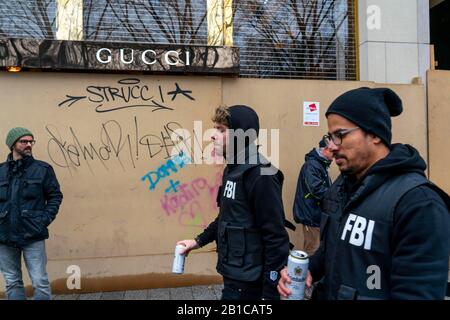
x=311 y=113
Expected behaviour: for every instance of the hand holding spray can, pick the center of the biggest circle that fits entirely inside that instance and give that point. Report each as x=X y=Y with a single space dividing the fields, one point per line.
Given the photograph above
x=178 y=259
x=297 y=270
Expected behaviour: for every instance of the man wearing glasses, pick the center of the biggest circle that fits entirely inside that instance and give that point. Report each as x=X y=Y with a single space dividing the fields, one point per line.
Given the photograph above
x=384 y=227
x=29 y=201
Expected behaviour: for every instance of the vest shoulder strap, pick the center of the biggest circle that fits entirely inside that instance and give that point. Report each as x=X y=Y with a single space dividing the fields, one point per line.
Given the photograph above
x=399 y=187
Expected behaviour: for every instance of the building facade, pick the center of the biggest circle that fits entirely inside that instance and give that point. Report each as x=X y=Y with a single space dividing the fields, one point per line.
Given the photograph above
x=106 y=85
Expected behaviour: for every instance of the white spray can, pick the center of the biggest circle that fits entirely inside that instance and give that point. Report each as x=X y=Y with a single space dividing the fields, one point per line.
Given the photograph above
x=178 y=259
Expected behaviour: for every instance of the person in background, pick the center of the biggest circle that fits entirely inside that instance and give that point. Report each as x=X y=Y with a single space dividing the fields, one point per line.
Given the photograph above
x=313 y=182
x=30 y=197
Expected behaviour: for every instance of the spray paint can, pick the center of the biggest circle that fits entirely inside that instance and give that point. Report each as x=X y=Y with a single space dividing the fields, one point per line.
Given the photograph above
x=178 y=259
x=297 y=270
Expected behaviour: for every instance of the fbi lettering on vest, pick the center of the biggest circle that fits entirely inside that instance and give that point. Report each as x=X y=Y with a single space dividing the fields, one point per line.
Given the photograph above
x=361 y=231
x=230 y=190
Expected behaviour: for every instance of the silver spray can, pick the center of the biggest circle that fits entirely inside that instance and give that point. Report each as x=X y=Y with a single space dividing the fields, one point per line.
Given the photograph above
x=178 y=260
x=297 y=270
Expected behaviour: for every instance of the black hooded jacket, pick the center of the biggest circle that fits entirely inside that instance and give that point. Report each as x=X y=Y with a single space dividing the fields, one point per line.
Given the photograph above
x=385 y=236
x=313 y=182
x=30 y=197
x=265 y=200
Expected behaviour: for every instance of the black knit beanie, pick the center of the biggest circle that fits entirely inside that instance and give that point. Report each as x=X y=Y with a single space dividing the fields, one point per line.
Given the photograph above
x=370 y=109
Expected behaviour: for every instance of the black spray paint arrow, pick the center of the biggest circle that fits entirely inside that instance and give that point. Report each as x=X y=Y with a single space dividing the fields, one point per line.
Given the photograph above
x=72 y=100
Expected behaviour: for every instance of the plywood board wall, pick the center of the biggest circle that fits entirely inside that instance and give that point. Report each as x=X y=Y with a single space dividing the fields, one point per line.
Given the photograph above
x=110 y=140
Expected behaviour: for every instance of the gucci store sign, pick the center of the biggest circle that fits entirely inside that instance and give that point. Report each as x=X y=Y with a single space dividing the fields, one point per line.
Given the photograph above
x=114 y=56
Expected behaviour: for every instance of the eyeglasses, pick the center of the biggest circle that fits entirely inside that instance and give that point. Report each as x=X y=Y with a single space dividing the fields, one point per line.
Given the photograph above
x=25 y=142
x=338 y=136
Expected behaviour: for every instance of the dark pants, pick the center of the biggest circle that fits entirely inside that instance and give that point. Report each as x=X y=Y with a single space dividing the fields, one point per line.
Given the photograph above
x=241 y=290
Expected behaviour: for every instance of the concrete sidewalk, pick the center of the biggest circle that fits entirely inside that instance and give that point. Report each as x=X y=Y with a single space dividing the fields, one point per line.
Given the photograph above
x=208 y=292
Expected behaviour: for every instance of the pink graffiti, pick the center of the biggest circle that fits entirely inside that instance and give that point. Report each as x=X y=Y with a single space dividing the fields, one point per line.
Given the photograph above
x=185 y=202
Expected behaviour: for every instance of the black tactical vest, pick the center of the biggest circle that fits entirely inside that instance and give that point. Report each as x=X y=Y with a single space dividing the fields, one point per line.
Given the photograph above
x=356 y=239
x=239 y=244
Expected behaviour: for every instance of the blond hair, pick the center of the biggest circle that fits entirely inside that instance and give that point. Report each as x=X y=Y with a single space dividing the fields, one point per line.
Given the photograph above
x=221 y=115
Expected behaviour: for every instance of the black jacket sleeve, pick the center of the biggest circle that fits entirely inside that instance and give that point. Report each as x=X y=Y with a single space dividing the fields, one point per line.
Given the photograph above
x=316 y=183
x=266 y=199
x=52 y=193
x=209 y=234
x=420 y=246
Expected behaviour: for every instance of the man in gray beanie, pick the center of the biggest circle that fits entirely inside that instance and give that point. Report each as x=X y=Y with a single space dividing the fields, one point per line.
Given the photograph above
x=29 y=201
x=385 y=227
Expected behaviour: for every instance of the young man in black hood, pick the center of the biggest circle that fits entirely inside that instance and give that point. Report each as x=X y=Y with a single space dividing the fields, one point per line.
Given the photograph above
x=252 y=243
x=385 y=227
